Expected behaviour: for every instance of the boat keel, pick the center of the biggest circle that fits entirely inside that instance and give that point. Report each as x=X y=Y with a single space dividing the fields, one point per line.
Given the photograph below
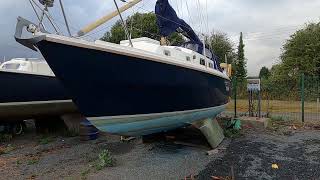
x=211 y=130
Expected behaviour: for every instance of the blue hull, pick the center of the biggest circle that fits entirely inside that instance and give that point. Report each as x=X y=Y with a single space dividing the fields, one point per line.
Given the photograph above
x=21 y=87
x=28 y=96
x=104 y=84
x=107 y=84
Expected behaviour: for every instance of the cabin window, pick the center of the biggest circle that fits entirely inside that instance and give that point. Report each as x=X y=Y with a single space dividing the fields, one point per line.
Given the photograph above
x=194 y=57
x=188 y=58
x=210 y=65
x=202 y=62
x=167 y=53
x=11 y=66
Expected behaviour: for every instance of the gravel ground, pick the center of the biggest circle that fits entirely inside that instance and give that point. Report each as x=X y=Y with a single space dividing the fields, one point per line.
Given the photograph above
x=56 y=157
x=35 y=157
x=252 y=156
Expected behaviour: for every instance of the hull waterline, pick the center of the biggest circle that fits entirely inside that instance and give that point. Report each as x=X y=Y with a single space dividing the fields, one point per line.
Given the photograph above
x=137 y=125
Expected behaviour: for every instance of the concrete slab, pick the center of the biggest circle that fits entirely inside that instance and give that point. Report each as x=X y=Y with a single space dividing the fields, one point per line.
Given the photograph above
x=255 y=122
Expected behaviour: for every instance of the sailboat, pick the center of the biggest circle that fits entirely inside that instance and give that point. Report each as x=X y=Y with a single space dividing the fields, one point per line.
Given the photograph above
x=140 y=86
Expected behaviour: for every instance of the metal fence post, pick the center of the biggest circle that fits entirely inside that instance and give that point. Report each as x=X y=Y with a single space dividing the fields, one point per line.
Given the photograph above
x=302 y=97
x=235 y=95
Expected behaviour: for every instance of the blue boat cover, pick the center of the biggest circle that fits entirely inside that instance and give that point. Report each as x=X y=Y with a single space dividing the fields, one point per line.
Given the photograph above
x=168 y=22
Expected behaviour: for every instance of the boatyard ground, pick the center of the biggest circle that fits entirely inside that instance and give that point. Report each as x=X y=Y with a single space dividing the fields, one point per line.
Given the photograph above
x=294 y=149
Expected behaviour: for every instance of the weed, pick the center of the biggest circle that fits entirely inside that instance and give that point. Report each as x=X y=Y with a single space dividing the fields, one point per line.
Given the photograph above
x=232 y=133
x=45 y=140
x=33 y=161
x=105 y=160
x=18 y=162
x=85 y=172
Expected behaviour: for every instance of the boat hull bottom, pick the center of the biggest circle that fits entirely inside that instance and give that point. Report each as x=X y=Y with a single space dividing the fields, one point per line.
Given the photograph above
x=137 y=125
x=27 y=110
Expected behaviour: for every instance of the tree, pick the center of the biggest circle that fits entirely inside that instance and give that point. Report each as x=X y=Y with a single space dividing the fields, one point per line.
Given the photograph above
x=222 y=46
x=301 y=53
x=241 y=72
x=264 y=73
x=139 y=25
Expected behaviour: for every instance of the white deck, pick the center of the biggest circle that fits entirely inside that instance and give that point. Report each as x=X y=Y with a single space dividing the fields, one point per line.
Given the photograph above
x=147 y=49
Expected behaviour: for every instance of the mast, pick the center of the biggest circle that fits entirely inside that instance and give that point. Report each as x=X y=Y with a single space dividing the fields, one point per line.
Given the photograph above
x=106 y=18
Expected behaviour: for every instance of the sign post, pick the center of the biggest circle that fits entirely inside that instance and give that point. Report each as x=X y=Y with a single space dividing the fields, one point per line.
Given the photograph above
x=254 y=86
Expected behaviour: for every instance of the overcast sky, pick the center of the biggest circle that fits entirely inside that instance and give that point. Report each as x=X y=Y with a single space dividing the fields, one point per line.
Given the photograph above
x=266 y=24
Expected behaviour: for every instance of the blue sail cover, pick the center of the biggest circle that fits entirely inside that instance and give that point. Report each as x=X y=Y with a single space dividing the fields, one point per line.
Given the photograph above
x=168 y=22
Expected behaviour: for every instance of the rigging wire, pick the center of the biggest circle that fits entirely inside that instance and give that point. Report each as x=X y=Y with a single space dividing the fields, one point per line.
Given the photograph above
x=189 y=14
x=208 y=30
x=181 y=6
x=201 y=16
x=109 y=26
x=250 y=36
x=271 y=34
x=35 y=11
x=49 y=17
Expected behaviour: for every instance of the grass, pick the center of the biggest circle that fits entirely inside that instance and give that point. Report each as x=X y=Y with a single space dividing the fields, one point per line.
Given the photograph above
x=277 y=119
x=105 y=160
x=276 y=106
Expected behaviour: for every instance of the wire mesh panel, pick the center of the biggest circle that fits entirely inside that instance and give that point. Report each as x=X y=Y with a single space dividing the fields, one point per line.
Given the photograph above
x=312 y=99
x=283 y=99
